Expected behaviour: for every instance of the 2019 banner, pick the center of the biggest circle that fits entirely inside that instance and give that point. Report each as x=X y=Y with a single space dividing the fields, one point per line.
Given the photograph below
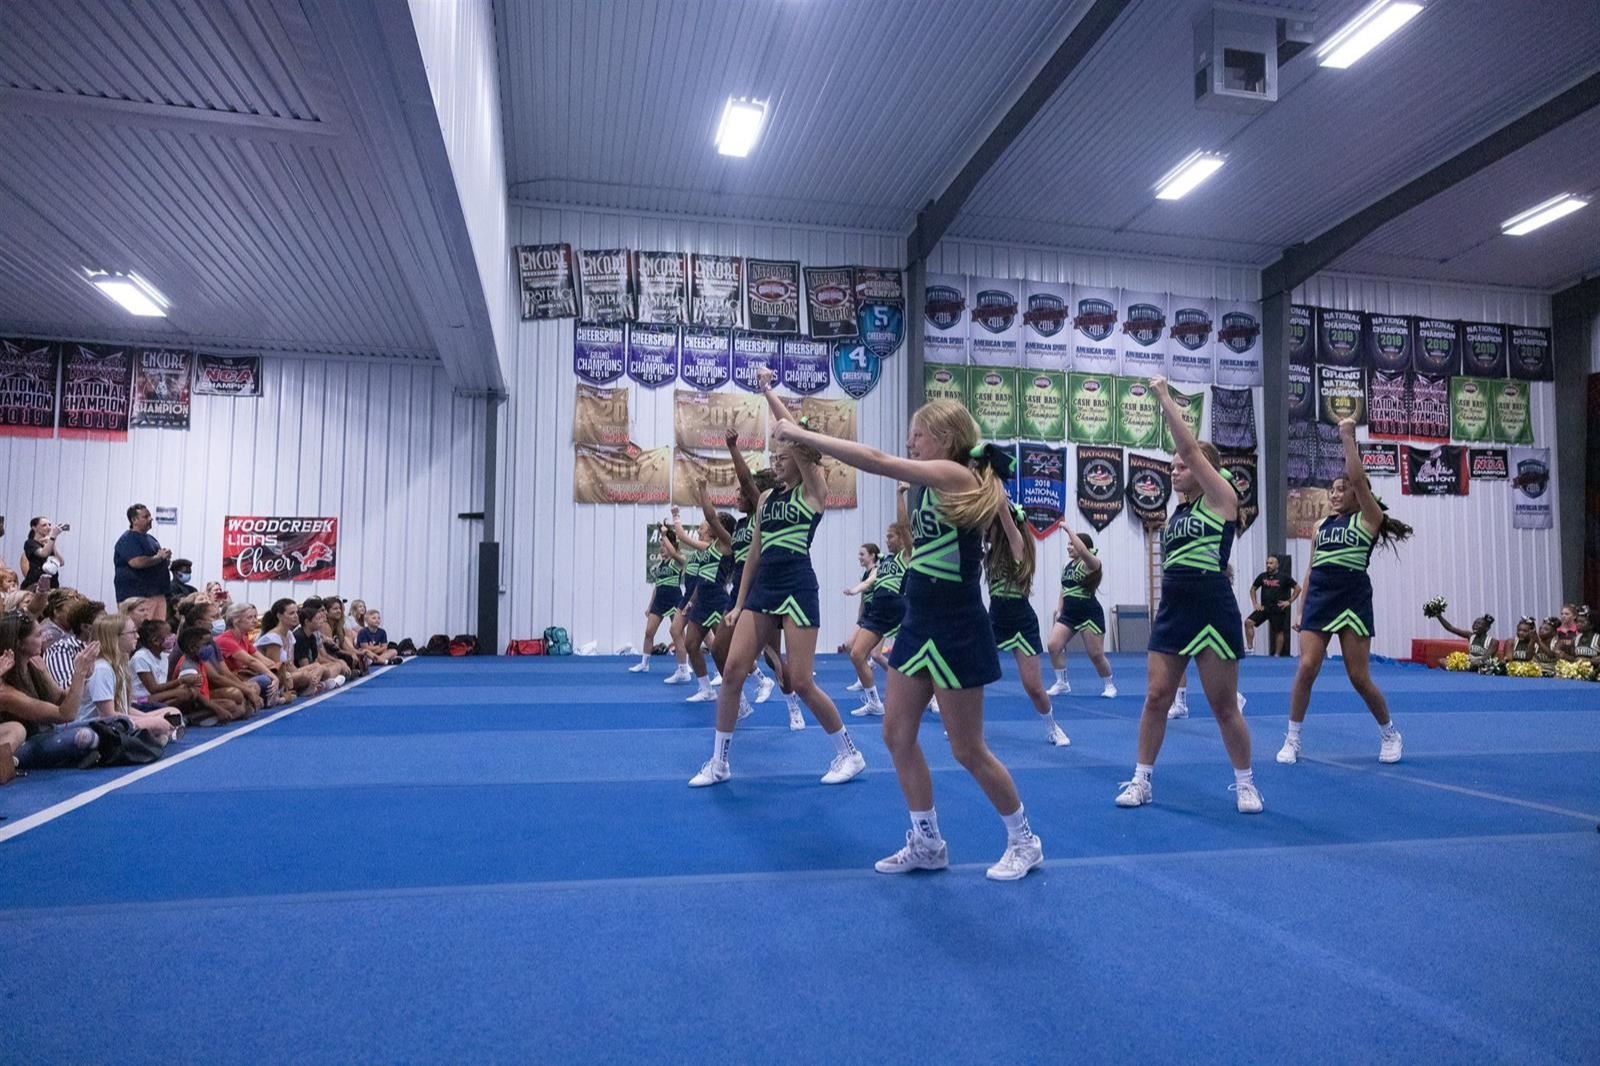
x=28 y=370
x=96 y=391
x=279 y=548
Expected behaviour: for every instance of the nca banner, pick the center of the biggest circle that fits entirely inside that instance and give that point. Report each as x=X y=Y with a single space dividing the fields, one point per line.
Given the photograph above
x=1530 y=482
x=1440 y=471
x=279 y=548
x=1489 y=464
x=1242 y=467
x=161 y=388
x=996 y=322
x=772 y=295
x=227 y=375
x=1380 y=460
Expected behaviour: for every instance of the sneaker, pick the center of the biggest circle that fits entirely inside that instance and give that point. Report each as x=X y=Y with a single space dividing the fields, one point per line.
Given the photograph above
x=862 y=711
x=1180 y=707
x=679 y=676
x=916 y=855
x=716 y=680
x=1249 y=798
x=745 y=710
x=1060 y=688
x=1019 y=858
x=764 y=688
x=854 y=686
x=1389 y=751
x=797 y=721
x=714 y=772
x=1289 y=754
x=1109 y=692
x=639 y=668
x=1135 y=793
x=702 y=696
x=1058 y=738
x=844 y=767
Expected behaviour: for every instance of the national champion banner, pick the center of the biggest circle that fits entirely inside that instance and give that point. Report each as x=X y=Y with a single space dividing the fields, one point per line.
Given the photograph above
x=831 y=302
x=1388 y=404
x=944 y=382
x=604 y=473
x=663 y=282
x=881 y=309
x=716 y=291
x=1489 y=464
x=1471 y=410
x=1386 y=340
x=1242 y=467
x=1483 y=349
x=752 y=353
x=1192 y=408
x=1302 y=335
x=1149 y=488
x=1530 y=357
x=1428 y=403
x=96 y=391
x=1338 y=337
x=1380 y=460
x=1531 y=500
x=544 y=275
x=1042 y=486
x=1440 y=471
x=1513 y=417
x=1043 y=404
x=805 y=364
x=605 y=278
x=1091 y=408
x=600 y=415
x=1191 y=352
x=702 y=419
x=599 y=351
x=161 y=387
x=996 y=330
x=227 y=375
x=1341 y=394
x=1096 y=316
x=1046 y=338
x=1239 y=344
x=993 y=393
x=944 y=319
x=1436 y=347
x=28 y=373
x=1100 y=486
x=772 y=295
x=279 y=548
x=1138 y=414
x=1142 y=337
x=1233 y=419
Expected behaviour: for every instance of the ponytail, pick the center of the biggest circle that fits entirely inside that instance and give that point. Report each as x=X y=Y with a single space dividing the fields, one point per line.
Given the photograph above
x=1003 y=565
x=1092 y=583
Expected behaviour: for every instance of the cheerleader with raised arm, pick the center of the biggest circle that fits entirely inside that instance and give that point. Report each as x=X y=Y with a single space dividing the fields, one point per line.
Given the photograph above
x=1481 y=647
x=666 y=577
x=1080 y=612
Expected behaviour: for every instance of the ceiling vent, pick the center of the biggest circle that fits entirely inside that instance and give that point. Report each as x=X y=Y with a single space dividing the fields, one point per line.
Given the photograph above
x=1238 y=51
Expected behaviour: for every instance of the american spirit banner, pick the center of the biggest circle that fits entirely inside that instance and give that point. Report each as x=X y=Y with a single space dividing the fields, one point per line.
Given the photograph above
x=599 y=351
x=1380 y=460
x=1338 y=338
x=1471 y=410
x=606 y=277
x=28 y=371
x=600 y=416
x=751 y=353
x=1436 y=347
x=690 y=466
x=856 y=368
x=1094 y=325
x=96 y=387
x=653 y=354
x=1192 y=406
x=881 y=309
x=279 y=548
x=626 y=474
x=1387 y=340
x=944 y=319
x=1513 y=421
x=1091 y=408
x=1238 y=343
x=805 y=364
x=1138 y=414
x=1143 y=335
x=1388 y=409
x=544 y=272
x=1428 y=401
x=831 y=299
x=1341 y=394
x=772 y=295
x=1530 y=489
x=1149 y=488
x=1489 y=464
x=996 y=322
x=1233 y=419
x=161 y=388
x=994 y=401
x=1043 y=404
x=1440 y=471
x=702 y=420
x=663 y=280
x=1042 y=486
x=1243 y=468
x=716 y=291
x=1191 y=351
x=1530 y=358
x=942 y=382
x=1099 y=484
x=227 y=375
x=707 y=358
x=1046 y=340
x=1483 y=350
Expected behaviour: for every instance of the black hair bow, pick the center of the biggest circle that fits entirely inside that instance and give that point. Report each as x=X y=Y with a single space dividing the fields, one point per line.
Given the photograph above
x=1001 y=460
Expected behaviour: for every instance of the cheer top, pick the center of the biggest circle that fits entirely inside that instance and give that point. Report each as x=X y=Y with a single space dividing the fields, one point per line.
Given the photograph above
x=1521 y=653
x=1197 y=540
x=1075 y=578
x=941 y=554
x=742 y=531
x=1343 y=542
x=668 y=572
x=1477 y=646
x=891 y=576
x=1585 y=647
x=788 y=523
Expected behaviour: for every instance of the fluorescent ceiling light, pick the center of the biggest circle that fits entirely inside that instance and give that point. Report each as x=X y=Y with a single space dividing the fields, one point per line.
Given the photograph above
x=1542 y=214
x=1365 y=32
x=1181 y=179
x=131 y=292
x=740 y=127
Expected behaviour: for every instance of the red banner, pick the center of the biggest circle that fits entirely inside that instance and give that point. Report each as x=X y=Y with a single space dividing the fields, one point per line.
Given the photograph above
x=28 y=371
x=96 y=391
x=274 y=548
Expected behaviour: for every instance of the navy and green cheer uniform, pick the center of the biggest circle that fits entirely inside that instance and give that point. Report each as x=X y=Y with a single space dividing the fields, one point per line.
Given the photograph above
x=666 y=577
x=1338 y=590
x=944 y=603
x=711 y=599
x=1012 y=618
x=886 y=603
x=692 y=563
x=1586 y=647
x=785 y=584
x=1080 y=611
x=1198 y=611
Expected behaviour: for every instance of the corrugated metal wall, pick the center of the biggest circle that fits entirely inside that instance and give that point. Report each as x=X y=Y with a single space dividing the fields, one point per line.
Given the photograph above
x=1465 y=548
x=379 y=444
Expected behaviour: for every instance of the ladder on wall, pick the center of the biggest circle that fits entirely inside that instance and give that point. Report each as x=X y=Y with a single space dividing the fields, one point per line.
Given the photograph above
x=1152 y=569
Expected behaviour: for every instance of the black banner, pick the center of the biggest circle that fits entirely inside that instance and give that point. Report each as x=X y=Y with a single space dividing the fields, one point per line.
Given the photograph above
x=1243 y=468
x=1041 y=486
x=1338 y=338
x=831 y=299
x=1149 y=488
x=1302 y=335
x=1483 y=350
x=28 y=372
x=1100 y=485
x=1436 y=347
x=663 y=280
x=1531 y=358
x=96 y=391
x=1489 y=464
x=716 y=291
x=1380 y=460
x=227 y=375
x=1388 y=409
x=1440 y=471
x=1233 y=419
x=1387 y=341
x=772 y=295
x=544 y=272
x=161 y=388
x=1302 y=395
x=606 y=275
x=1341 y=394
x=1428 y=402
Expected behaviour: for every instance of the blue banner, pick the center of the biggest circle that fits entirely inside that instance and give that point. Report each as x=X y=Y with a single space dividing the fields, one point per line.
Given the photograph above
x=805 y=365
x=856 y=368
x=751 y=352
x=1041 y=486
x=705 y=363
x=653 y=354
x=599 y=352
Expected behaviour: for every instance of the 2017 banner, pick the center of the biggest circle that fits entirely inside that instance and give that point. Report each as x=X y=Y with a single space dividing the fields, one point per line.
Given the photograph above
x=1530 y=484
x=96 y=391
x=161 y=389
x=1100 y=485
x=832 y=418
x=1091 y=408
x=994 y=401
x=1149 y=488
x=227 y=375
x=600 y=416
x=28 y=371
x=1043 y=404
x=279 y=548
x=702 y=420
x=625 y=474
x=544 y=273
x=1440 y=471
x=690 y=466
x=1042 y=486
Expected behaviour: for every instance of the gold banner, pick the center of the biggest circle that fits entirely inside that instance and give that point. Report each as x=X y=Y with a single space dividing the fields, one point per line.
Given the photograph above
x=702 y=420
x=1307 y=507
x=601 y=416
x=841 y=484
x=831 y=418
x=722 y=484
x=626 y=474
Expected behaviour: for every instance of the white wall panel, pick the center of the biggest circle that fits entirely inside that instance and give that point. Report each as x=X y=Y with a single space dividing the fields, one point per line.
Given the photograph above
x=379 y=444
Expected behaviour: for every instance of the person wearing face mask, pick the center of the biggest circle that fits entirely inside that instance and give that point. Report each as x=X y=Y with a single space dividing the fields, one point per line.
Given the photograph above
x=182 y=571
x=207 y=617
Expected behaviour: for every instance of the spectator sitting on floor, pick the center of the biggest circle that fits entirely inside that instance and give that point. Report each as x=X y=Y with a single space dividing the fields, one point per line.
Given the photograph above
x=358 y=613
x=30 y=698
x=336 y=638
x=308 y=646
x=276 y=645
x=372 y=636
x=239 y=652
x=79 y=626
x=152 y=670
x=217 y=594
x=140 y=563
x=223 y=681
x=41 y=554
x=226 y=704
x=109 y=692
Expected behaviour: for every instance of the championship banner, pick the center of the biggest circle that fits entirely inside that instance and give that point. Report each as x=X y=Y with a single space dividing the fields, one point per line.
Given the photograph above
x=831 y=300
x=881 y=309
x=1530 y=358
x=702 y=420
x=1387 y=342
x=1302 y=335
x=544 y=273
x=1192 y=406
x=1489 y=464
x=706 y=361
x=1380 y=460
x=1046 y=341
x=1094 y=324
x=1307 y=507
x=28 y=372
x=1428 y=400
x=1233 y=419
x=1042 y=486
x=839 y=491
x=856 y=368
x=600 y=416
x=1099 y=484
x=1149 y=488
x=1297 y=455
x=1471 y=410
x=1191 y=352
x=1388 y=413
x=1091 y=408
x=96 y=388
x=1243 y=468
x=161 y=389
x=1302 y=395
x=606 y=285
x=653 y=354
x=1138 y=414
x=994 y=401
x=1142 y=339
x=1043 y=404
x=1483 y=349
x=752 y=352
x=944 y=383
x=1530 y=489
x=689 y=465
x=663 y=280
x=1328 y=455
x=944 y=319
x=1341 y=394
x=1436 y=347
x=227 y=375
x=1513 y=419
x=716 y=291
x=1239 y=344
x=834 y=418
x=1440 y=471
x=1338 y=338
x=599 y=351
x=805 y=364
x=996 y=322
x=772 y=295
x=274 y=548
x=626 y=474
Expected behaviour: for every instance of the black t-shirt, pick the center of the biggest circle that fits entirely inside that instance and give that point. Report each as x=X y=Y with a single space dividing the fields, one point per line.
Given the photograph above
x=305 y=646
x=34 y=552
x=1274 y=588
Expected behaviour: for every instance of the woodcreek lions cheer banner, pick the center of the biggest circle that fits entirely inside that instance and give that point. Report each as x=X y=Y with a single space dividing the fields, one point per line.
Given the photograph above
x=1530 y=485
x=161 y=389
x=1099 y=484
x=1149 y=488
x=28 y=371
x=702 y=420
x=1042 y=486
x=1091 y=408
x=1043 y=404
x=993 y=392
x=279 y=548
x=626 y=474
x=96 y=388
x=227 y=375
x=544 y=272
x=600 y=416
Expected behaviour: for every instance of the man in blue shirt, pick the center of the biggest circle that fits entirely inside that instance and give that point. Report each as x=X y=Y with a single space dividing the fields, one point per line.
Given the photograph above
x=142 y=564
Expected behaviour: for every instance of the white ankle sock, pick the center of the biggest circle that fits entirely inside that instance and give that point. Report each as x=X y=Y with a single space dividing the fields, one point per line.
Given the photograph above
x=1142 y=771
x=1017 y=827
x=925 y=824
x=705 y=683
x=719 y=749
x=793 y=700
x=1294 y=728
x=1061 y=676
x=1385 y=730
x=842 y=743
x=1049 y=718
x=1244 y=777
x=871 y=693
x=644 y=660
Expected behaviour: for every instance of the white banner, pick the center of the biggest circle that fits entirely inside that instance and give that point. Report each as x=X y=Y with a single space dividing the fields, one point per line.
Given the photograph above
x=1142 y=337
x=1095 y=320
x=1238 y=343
x=1190 y=339
x=1530 y=489
x=944 y=319
x=1046 y=338
x=996 y=321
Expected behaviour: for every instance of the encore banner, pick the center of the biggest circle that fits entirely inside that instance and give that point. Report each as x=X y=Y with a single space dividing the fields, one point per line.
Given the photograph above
x=279 y=548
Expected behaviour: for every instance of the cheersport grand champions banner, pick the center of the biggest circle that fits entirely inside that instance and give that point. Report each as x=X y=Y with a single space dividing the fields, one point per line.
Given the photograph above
x=1440 y=471
x=1091 y=408
x=993 y=392
x=599 y=351
x=653 y=354
x=1042 y=486
x=1149 y=488
x=227 y=375
x=1530 y=489
x=1043 y=404
x=1100 y=485
x=606 y=277
x=279 y=548
x=707 y=358
x=1143 y=335
x=161 y=389
x=753 y=352
x=28 y=371
x=96 y=391
x=544 y=273
x=1046 y=340
x=600 y=416
x=996 y=322
x=625 y=474
x=805 y=365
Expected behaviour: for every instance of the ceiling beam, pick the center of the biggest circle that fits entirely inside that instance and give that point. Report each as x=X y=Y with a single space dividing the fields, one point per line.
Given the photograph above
x=1302 y=261
x=935 y=219
x=58 y=106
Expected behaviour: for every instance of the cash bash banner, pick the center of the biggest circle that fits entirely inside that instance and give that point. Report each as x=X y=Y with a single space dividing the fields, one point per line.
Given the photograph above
x=279 y=548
